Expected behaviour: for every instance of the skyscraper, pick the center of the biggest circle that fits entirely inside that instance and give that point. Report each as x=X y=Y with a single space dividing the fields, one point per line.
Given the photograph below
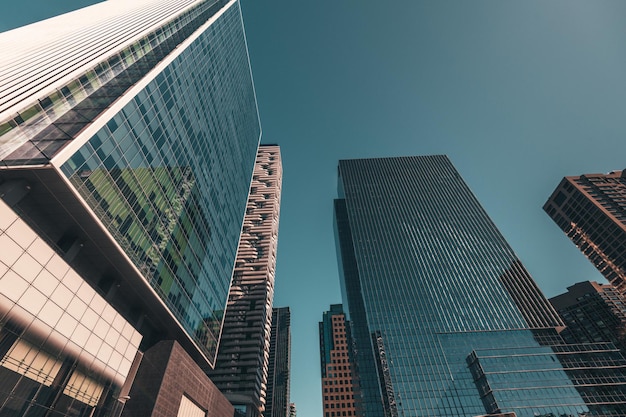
x=340 y=393
x=592 y=312
x=279 y=378
x=443 y=312
x=591 y=210
x=242 y=362
x=128 y=135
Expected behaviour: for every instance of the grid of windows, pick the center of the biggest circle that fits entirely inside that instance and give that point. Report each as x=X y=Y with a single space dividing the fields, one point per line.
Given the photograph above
x=527 y=380
x=591 y=210
x=36 y=133
x=423 y=261
x=341 y=396
x=168 y=175
x=63 y=348
x=241 y=368
x=279 y=376
x=593 y=313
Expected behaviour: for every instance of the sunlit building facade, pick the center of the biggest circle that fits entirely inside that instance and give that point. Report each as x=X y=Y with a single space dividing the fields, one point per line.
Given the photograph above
x=591 y=210
x=443 y=313
x=128 y=136
x=340 y=389
x=241 y=370
x=293 y=412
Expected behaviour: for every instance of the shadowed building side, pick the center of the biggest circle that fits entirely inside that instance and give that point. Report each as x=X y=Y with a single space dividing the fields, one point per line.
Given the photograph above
x=279 y=375
x=593 y=313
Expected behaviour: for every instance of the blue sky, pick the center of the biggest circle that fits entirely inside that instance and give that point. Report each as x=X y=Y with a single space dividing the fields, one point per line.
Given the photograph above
x=517 y=94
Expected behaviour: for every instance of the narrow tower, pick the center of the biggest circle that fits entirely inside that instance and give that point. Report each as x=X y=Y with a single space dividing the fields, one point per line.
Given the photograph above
x=339 y=384
x=279 y=377
x=242 y=361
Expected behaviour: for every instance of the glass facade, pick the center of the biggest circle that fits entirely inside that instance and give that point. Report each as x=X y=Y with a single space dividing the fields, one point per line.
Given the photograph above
x=36 y=133
x=427 y=279
x=168 y=175
x=127 y=146
x=279 y=376
x=527 y=380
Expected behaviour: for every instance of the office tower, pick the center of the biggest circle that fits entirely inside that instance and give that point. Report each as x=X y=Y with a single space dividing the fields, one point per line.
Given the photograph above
x=242 y=361
x=292 y=410
x=279 y=377
x=592 y=313
x=128 y=135
x=339 y=387
x=442 y=311
x=591 y=210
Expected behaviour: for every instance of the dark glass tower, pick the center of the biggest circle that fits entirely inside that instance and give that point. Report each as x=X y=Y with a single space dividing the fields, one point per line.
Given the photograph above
x=443 y=312
x=591 y=210
x=279 y=375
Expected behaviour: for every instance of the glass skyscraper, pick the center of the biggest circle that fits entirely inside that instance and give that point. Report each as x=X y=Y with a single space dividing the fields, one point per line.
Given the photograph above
x=128 y=137
x=279 y=375
x=443 y=313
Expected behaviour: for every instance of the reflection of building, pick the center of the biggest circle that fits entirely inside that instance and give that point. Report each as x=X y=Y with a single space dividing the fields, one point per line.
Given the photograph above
x=429 y=283
x=242 y=361
x=339 y=386
x=127 y=142
x=591 y=210
x=279 y=377
x=592 y=313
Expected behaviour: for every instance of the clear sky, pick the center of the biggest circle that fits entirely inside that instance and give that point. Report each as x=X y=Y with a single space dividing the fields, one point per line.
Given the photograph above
x=517 y=94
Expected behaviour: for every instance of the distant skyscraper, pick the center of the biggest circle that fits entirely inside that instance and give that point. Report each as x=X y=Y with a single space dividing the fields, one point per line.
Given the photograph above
x=242 y=361
x=339 y=387
x=128 y=135
x=292 y=410
x=279 y=378
x=591 y=210
x=592 y=313
x=443 y=313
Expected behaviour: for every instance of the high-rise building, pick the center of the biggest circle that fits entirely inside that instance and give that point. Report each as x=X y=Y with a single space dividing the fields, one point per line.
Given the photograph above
x=279 y=377
x=242 y=361
x=445 y=317
x=128 y=135
x=592 y=312
x=340 y=392
x=591 y=210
